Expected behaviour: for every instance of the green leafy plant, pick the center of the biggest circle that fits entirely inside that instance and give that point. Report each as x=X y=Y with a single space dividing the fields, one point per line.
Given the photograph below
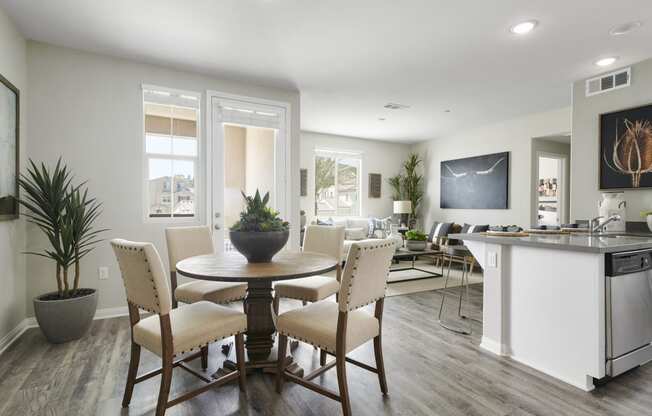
x=258 y=217
x=413 y=183
x=644 y=214
x=396 y=183
x=415 y=235
x=66 y=216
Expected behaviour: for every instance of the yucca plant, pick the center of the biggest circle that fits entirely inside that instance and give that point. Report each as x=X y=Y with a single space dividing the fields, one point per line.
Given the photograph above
x=65 y=214
x=413 y=183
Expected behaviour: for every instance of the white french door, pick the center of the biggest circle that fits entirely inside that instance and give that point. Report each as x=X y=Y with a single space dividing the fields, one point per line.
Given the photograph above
x=246 y=114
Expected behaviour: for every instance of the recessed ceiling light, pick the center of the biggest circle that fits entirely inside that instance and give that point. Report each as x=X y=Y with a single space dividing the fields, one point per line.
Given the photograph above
x=381 y=119
x=606 y=61
x=447 y=111
x=523 y=27
x=396 y=106
x=625 y=28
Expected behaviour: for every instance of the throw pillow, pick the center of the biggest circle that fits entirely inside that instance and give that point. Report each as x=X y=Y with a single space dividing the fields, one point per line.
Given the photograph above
x=439 y=229
x=470 y=228
x=355 y=234
x=325 y=222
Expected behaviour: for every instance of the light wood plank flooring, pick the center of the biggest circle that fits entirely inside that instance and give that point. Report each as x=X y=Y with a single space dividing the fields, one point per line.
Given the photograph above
x=430 y=372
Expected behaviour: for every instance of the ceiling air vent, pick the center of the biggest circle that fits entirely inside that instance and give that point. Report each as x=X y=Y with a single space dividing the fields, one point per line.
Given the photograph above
x=608 y=82
x=394 y=106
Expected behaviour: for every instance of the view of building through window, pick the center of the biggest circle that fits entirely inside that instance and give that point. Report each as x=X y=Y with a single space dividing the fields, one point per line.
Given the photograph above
x=337 y=184
x=171 y=148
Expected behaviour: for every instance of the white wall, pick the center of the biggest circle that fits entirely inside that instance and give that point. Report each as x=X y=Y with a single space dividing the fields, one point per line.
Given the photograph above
x=88 y=108
x=585 y=192
x=514 y=136
x=377 y=157
x=13 y=66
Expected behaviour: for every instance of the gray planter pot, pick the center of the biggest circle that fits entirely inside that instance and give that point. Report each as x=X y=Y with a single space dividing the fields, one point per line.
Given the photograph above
x=66 y=319
x=259 y=247
x=414 y=245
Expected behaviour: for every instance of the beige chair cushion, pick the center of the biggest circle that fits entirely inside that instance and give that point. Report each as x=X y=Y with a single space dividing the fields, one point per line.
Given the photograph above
x=217 y=292
x=310 y=289
x=316 y=324
x=184 y=242
x=145 y=282
x=193 y=326
x=364 y=279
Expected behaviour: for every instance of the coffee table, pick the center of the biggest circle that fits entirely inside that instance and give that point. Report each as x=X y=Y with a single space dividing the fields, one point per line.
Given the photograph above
x=405 y=254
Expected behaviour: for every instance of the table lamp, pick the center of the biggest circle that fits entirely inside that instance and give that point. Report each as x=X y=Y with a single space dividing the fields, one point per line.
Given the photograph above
x=403 y=208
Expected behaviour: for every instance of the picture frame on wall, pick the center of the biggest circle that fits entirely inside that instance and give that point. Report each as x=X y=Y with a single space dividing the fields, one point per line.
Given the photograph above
x=9 y=149
x=303 y=181
x=375 y=185
x=478 y=182
x=626 y=149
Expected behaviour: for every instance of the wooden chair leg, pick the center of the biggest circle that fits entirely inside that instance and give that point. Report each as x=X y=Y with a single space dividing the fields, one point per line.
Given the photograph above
x=341 y=381
x=322 y=358
x=380 y=364
x=166 y=382
x=131 y=375
x=240 y=357
x=204 y=357
x=282 y=351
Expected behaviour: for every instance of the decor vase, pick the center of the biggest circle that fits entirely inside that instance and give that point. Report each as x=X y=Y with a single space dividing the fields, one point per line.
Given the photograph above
x=63 y=320
x=415 y=245
x=259 y=247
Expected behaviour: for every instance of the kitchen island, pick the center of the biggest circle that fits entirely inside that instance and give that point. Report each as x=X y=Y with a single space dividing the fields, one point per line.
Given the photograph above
x=544 y=300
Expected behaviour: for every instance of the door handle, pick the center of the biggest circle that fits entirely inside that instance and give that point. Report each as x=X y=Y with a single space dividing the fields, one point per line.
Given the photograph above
x=216 y=226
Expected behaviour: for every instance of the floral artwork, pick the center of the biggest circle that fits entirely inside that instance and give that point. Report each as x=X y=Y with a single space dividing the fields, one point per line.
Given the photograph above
x=626 y=149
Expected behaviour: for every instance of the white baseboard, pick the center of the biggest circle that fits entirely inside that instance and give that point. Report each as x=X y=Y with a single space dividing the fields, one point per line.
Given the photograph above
x=30 y=322
x=13 y=335
x=494 y=347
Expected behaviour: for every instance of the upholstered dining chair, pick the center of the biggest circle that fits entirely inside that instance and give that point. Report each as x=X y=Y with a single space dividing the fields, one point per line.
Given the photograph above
x=170 y=333
x=339 y=328
x=184 y=242
x=324 y=239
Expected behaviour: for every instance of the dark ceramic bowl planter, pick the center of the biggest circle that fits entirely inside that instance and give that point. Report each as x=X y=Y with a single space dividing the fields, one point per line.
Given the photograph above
x=63 y=320
x=259 y=246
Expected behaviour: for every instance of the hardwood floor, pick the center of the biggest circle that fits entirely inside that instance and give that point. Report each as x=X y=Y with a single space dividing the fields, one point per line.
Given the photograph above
x=430 y=371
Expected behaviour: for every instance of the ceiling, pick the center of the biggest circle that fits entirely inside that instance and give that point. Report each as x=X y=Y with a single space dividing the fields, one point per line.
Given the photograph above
x=349 y=58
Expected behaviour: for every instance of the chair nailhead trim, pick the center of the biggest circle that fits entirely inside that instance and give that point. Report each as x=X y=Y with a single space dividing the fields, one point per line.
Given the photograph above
x=208 y=342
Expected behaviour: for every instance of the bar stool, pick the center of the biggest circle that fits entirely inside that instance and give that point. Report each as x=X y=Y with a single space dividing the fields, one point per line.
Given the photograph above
x=459 y=254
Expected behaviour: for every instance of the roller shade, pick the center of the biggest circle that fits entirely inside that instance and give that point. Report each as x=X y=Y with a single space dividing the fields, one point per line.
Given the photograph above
x=170 y=126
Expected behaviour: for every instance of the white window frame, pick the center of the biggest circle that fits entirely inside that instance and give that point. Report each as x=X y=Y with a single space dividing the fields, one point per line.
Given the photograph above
x=198 y=160
x=337 y=154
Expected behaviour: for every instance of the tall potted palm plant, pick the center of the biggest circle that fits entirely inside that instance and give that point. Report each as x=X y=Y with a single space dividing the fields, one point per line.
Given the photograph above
x=66 y=215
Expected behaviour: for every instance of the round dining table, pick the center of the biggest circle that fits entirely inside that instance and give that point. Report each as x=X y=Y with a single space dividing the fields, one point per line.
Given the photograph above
x=233 y=267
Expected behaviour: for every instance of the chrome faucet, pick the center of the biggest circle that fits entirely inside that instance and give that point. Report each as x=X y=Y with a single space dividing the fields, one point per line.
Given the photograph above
x=595 y=226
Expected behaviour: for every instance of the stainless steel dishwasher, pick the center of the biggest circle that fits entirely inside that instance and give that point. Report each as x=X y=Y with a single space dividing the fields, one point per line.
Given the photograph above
x=629 y=310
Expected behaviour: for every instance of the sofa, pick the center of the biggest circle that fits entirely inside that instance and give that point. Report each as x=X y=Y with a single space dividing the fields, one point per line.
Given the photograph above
x=356 y=229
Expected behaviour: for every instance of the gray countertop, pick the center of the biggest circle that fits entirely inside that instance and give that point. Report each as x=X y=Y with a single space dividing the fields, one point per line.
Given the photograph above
x=602 y=243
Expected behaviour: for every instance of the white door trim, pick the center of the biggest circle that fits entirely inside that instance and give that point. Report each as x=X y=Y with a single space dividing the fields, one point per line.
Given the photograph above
x=211 y=96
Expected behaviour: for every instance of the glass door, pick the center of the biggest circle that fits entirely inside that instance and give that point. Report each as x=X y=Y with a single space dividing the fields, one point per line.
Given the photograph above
x=248 y=154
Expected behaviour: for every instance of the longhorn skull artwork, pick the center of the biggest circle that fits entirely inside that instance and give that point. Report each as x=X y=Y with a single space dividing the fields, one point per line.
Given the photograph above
x=631 y=153
x=478 y=182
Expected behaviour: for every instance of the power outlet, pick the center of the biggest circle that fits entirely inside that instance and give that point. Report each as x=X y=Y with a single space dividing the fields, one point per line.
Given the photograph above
x=103 y=273
x=492 y=259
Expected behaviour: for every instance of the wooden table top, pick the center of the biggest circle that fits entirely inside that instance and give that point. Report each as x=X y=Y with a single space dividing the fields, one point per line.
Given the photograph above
x=233 y=267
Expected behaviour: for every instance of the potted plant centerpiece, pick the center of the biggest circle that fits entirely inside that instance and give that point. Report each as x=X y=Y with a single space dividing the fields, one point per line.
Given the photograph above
x=66 y=215
x=415 y=240
x=260 y=233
